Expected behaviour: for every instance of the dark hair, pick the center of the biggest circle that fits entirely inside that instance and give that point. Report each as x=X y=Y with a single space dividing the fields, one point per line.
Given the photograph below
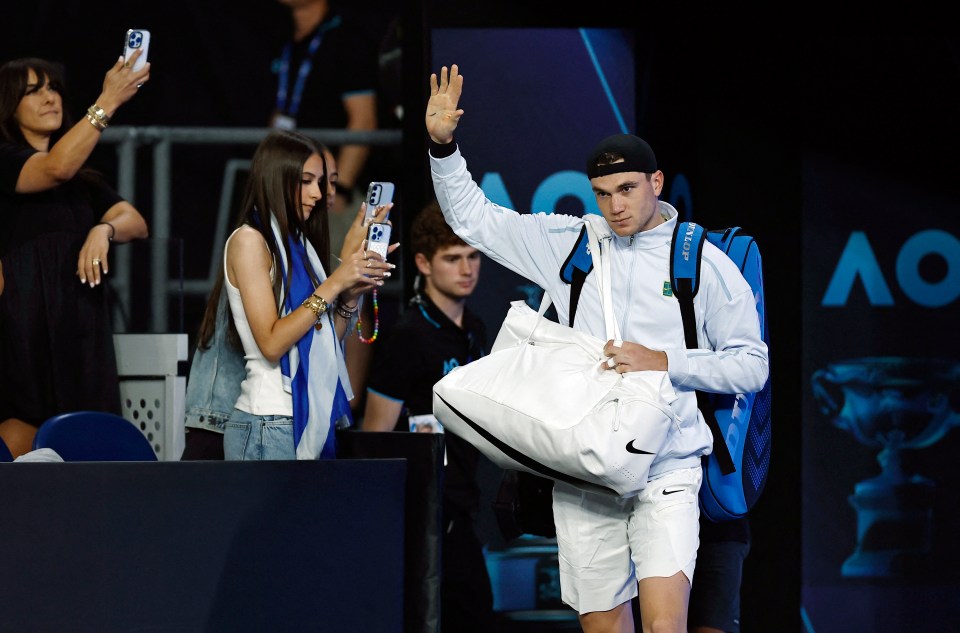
x=430 y=231
x=273 y=188
x=13 y=86
x=608 y=158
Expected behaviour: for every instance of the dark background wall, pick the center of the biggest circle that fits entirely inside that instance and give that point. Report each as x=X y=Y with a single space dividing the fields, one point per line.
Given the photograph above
x=879 y=139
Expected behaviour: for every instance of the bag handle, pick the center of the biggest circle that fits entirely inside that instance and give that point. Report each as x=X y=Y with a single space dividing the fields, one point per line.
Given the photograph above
x=601 y=264
x=545 y=302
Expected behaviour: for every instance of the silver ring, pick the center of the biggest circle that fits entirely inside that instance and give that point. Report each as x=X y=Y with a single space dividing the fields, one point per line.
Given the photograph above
x=95 y=262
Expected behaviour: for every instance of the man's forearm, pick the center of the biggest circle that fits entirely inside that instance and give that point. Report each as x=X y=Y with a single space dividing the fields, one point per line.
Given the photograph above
x=350 y=163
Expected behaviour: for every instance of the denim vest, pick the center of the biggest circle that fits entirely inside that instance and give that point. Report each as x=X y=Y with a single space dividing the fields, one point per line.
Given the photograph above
x=213 y=385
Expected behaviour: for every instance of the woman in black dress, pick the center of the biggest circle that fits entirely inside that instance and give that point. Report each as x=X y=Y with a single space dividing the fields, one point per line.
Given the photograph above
x=57 y=222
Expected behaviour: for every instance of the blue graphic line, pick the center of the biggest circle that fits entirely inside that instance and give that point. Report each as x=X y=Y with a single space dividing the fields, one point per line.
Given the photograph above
x=603 y=82
x=805 y=617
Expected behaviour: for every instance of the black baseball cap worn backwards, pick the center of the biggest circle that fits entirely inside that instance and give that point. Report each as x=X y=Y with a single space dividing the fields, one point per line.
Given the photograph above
x=637 y=156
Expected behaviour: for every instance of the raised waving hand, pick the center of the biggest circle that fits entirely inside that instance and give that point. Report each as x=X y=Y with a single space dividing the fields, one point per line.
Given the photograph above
x=442 y=113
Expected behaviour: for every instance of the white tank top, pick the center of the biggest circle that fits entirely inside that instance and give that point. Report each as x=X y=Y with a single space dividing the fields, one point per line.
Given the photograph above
x=261 y=392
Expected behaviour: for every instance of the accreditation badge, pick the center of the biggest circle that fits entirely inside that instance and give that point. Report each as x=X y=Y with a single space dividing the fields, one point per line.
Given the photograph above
x=284 y=122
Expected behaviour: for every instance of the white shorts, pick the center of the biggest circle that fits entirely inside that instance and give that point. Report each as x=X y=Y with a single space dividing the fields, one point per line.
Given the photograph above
x=607 y=544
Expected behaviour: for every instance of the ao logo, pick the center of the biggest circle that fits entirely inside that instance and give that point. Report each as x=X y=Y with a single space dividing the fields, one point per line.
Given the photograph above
x=858 y=261
x=563 y=184
x=450 y=365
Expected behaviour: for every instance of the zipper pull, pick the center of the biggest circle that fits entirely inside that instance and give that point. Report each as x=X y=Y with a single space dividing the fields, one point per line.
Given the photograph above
x=616 y=417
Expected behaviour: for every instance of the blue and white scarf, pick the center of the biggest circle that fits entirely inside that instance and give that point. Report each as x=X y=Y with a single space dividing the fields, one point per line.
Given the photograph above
x=321 y=396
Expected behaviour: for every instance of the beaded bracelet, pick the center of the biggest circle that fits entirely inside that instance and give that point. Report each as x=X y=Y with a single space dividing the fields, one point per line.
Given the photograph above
x=376 y=322
x=345 y=312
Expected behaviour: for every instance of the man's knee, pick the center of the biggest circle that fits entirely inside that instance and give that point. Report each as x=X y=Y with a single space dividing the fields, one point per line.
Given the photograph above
x=667 y=623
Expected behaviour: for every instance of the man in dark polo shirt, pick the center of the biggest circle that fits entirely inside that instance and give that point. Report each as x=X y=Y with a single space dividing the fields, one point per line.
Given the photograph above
x=436 y=334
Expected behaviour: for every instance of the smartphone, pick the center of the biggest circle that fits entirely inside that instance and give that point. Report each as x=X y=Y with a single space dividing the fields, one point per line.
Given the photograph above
x=378 y=238
x=136 y=39
x=378 y=194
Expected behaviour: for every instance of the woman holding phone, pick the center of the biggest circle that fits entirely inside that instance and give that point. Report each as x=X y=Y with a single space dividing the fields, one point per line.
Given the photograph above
x=291 y=315
x=58 y=221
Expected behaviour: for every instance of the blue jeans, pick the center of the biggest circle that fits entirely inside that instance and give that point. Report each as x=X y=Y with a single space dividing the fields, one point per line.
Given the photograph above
x=258 y=437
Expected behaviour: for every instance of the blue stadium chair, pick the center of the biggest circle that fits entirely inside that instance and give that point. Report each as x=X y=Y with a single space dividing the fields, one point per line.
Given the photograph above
x=93 y=436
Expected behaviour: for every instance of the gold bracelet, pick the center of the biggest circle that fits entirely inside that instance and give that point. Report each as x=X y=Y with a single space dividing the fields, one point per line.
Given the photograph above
x=100 y=113
x=97 y=124
x=317 y=305
x=98 y=117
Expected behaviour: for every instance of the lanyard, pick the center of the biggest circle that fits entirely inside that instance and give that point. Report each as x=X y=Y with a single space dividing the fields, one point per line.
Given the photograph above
x=305 y=67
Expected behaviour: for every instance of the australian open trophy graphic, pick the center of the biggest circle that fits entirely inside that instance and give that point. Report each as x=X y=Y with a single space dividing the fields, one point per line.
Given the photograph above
x=893 y=404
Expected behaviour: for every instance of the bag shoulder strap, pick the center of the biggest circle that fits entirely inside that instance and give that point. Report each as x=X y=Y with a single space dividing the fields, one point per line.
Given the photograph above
x=579 y=262
x=686 y=249
x=594 y=229
x=601 y=262
x=575 y=269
